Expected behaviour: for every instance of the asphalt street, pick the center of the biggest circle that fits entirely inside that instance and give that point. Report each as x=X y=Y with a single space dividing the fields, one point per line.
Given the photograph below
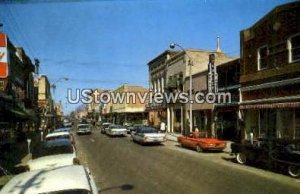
x=121 y=166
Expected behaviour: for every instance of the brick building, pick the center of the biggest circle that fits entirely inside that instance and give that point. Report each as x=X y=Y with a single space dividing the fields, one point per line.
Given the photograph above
x=270 y=74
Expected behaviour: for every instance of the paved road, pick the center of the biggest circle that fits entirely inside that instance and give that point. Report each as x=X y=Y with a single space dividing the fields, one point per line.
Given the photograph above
x=121 y=166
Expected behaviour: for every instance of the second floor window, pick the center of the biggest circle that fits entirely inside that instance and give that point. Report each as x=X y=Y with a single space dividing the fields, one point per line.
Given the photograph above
x=294 y=48
x=262 y=55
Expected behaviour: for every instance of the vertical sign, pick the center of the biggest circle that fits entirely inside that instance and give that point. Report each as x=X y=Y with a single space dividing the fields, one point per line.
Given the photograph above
x=3 y=56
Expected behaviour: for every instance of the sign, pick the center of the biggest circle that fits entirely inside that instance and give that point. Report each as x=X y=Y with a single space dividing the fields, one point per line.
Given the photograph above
x=3 y=56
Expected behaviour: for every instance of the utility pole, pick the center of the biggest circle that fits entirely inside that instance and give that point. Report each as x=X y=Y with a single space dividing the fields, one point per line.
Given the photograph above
x=37 y=65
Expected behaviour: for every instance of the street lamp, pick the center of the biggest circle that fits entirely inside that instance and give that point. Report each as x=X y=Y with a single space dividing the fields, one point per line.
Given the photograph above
x=54 y=83
x=190 y=63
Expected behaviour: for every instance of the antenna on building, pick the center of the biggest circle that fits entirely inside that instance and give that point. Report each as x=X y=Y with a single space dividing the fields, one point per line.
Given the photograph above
x=218 y=44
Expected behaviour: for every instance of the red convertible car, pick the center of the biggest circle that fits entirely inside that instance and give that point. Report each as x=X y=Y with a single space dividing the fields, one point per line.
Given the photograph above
x=201 y=142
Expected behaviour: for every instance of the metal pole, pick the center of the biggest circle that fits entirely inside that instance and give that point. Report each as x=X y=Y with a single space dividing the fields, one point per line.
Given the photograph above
x=191 y=97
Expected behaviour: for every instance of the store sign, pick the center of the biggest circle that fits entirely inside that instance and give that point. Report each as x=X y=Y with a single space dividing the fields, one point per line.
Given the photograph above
x=3 y=56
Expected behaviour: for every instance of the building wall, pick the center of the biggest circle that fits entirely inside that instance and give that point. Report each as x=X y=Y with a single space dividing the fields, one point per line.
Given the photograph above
x=273 y=31
x=270 y=95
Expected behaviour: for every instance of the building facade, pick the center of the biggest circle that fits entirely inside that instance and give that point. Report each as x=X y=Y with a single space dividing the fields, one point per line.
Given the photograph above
x=157 y=83
x=130 y=111
x=178 y=73
x=270 y=75
x=17 y=96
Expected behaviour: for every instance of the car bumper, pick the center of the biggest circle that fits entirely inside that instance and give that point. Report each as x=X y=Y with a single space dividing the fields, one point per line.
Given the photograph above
x=83 y=132
x=118 y=133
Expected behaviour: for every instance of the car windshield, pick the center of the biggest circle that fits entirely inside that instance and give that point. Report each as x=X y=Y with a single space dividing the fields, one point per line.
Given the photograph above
x=53 y=147
x=149 y=130
x=84 y=126
x=58 y=137
x=117 y=127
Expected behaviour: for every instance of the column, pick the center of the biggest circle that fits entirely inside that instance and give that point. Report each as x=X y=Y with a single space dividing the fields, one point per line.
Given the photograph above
x=168 y=119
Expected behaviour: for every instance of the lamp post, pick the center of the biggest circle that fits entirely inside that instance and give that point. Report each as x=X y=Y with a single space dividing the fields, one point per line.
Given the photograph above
x=190 y=63
x=59 y=80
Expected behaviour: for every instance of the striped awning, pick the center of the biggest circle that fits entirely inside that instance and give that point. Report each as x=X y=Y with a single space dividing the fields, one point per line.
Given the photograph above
x=272 y=105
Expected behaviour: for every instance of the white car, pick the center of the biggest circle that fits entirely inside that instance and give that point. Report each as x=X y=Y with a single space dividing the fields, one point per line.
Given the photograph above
x=84 y=129
x=52 y=161
x=116 y=130
x=104 y=126
x=68 y=179
x=53 y=153
x=148 y=135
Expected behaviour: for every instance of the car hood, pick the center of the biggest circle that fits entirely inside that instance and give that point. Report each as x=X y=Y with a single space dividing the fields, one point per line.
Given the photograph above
x=51 y=161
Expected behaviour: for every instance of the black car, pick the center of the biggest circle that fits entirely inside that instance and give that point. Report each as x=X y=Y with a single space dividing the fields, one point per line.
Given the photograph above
x=275 y=153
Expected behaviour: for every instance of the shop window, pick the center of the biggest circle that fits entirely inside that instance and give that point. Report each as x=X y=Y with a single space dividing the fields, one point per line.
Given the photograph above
x=262 y=55
x=285 y=124
x=294 y=48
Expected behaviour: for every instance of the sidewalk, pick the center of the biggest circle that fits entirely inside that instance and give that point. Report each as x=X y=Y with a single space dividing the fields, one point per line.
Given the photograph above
x=172 y=136
x=17 y=153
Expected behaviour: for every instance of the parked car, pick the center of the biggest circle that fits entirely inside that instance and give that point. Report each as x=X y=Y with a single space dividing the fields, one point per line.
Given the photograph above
x=277 y=153
x=116 y=130
x=53 y=153
x=52 y=161
x=73 y=179
x=201 y=142
x=68 y=125
x=133 y=128
x=84 y=129
x=60 y=135
x=104 y=126
x=148 y=135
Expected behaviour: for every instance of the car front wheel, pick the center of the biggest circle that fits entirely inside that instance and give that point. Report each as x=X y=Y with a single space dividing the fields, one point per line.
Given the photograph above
x=198 y=148
x=241 y=158
x=294 y=171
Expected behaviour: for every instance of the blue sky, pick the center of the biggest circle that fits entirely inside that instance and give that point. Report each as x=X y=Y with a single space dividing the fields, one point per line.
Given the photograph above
x=103 y=44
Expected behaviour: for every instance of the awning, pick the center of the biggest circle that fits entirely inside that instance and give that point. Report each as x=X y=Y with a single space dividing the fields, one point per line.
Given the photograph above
x=273 y=105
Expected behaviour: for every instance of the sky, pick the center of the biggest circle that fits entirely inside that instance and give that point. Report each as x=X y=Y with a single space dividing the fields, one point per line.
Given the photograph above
x=104 y=44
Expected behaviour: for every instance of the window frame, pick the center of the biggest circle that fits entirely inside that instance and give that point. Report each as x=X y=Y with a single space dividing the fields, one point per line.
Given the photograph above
x=258 y=57
x=289 y=47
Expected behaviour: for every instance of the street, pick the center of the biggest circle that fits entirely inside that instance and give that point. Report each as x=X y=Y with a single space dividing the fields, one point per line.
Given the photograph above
x=119 y=165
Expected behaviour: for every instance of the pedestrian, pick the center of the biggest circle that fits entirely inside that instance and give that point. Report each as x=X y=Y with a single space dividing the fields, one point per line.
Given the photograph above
x=163 y=127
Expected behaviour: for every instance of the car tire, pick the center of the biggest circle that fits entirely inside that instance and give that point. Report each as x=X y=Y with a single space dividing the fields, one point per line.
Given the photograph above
x=199 y=149
x=294 y=171
x=241 y=158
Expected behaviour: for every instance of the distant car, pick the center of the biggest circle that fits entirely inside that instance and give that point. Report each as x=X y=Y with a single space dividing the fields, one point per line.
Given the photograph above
x=68 y=124
x=104 y=126
x=133 y=128
x=116 y=130
x=73 y=179
x=60 y=135
x=201 y=142
x=84 y=129
x=147 y=135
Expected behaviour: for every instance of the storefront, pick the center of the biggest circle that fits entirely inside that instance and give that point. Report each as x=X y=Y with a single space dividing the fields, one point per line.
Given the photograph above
x=280 y=120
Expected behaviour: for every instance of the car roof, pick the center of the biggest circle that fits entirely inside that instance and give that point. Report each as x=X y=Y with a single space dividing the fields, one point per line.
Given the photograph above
x=48 y=180
x=82 y=124
x=60 y=133
x=58 y=142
